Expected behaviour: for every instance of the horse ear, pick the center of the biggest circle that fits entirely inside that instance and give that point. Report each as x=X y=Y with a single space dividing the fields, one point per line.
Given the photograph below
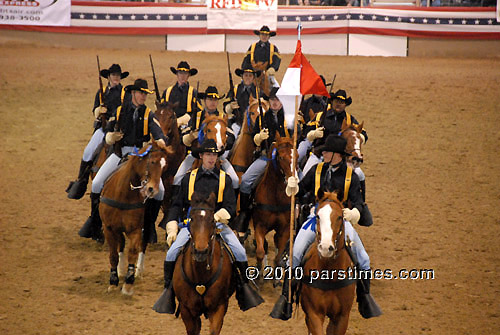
x=320 y=195
x=251 y=100
x=211 y=200
x=339 y=194
x=360 y=127
x=175 y=105
x=312 y=115
x=277 y=136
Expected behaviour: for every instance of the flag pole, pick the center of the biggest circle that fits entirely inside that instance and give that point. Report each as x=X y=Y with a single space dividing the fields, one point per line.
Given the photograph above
x=294 y=171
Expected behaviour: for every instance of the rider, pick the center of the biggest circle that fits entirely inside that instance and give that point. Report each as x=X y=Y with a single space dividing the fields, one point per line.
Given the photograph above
x=192 y=132
x=111 y=98
x=207 y=179
x=182 y=93
x=242 y=93
x=263 y=51
x=264 y=134
x=331 y=175
x=133 y=125
x=316 y=102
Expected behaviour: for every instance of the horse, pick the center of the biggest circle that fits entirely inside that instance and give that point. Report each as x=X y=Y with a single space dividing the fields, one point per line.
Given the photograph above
x=213 y=127
x=262 y=81
x=241 y=155
x=203 y=281
x=122 y=209
x=352 y=133
x=272 y=208
x=331 y=297
x=165 y=112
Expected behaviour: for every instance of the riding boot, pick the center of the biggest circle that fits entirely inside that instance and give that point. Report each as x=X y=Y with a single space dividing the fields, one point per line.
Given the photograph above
x=150 y=215
x=76 y=189
x=92 y=228
x=245 y=294
x=366 y=218
x=163 y=223
x=367 y=306
x=243 y=219
x=283 y=308
x=166 y=303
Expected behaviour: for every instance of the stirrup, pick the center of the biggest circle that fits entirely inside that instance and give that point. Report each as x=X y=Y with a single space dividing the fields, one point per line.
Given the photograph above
x=248 y=298
x=282 y=310
x=166 y=303
x=367 y=306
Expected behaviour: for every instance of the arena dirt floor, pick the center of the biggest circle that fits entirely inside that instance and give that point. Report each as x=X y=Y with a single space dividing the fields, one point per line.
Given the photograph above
x=431 y=161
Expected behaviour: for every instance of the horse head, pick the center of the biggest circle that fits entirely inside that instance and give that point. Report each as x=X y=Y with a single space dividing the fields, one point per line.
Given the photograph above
x=253 y=111
x=352 y=133
x=165 y=112
x=330 y=225
x=148 y=165
x=215 y=127
x=285 y=156
x=262 y=81
x=202 y=225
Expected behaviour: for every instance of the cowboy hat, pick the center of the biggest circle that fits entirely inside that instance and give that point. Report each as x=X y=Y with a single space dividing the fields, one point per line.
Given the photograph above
x=210 y=92
x=334 y=143
x=265 y=30
x=139 y=85
x=208 y=145
x=184 y=66
x=246 y=68
x=115 y=68
x=341 y=95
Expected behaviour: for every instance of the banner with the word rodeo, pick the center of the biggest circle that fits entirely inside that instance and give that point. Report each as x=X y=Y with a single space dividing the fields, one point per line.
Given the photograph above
x=36 y=12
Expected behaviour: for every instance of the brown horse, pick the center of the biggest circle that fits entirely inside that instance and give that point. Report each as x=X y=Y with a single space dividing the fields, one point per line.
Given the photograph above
x=215 y=128
x=352 y=133
x=332 y=297
x=272 y=209
x=242 y=153
x=203 y=281
x=165 y=112
x=122 y=208
x=262 y=81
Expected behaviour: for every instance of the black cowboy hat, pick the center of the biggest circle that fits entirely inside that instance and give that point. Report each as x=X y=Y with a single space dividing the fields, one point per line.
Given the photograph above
x=115 y=68
x=208 y=145
x=139 y=85
x=334 y=143
x=341 y=95
x=184 y=66
x=265 y=30
x=210 y=92
x=246 y=68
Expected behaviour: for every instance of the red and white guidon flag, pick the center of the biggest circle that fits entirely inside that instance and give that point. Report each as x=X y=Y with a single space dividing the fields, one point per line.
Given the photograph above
x=300 y=79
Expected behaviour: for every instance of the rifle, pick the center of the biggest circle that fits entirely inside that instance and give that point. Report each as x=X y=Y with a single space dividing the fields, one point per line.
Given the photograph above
x=261 y=115
x=231 y=85
x=158 y=99
x=102 y=118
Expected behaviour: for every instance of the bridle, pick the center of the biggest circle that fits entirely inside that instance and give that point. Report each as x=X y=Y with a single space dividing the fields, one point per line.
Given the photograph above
x=337 y=244
x=146 y=177
x=204 y=255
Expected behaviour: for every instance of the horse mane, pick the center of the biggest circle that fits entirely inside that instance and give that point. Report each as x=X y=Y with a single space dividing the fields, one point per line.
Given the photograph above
x=259 y=66
x=214 y=117
x=356 y=127
x=253 y=101
x=334 y=196
x=200 y=200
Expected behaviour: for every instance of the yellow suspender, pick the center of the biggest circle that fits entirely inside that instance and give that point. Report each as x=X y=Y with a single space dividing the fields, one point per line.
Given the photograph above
x=271 y=54
x=122 y=95
x=198 y=119
x=222 y=184
x=347 y=184
x=317 y=178
x=252 y=50
x=318 y=118
x=167 y=95
x=236 y=90
x=118 y=110
x=348 y=118
x=146 y=117
x=190 y=98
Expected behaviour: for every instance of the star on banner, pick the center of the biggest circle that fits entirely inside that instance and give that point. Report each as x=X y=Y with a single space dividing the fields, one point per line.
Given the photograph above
x=323 y=17
x=158 y=17
x=108 y=17
x=82 y=16
x=94 y=17
x=145 y=16
x=132 y=17
x=120 y=17
x=386 y=18
x=374 y=17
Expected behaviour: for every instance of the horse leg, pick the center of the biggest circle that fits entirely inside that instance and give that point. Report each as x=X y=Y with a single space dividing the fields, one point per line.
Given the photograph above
x=314 y=323
x=113 y=258
x=260 y=253
x=217 y=318
x=191 y=322
x=122 y=264
x=338 y=326
x=135 y=238
x=280 y=239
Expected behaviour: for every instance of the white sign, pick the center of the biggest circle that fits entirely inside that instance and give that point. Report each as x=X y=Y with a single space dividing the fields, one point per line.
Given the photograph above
x=36 y=12
x=242 y=14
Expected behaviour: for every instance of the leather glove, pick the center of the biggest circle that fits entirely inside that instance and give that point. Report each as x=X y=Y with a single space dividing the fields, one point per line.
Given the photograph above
x=351 y=215
x=183 y=120
x=172 y=230
x=113 y=137
x=189 y=138
x=99 y=110
x=292 y=186
x=222 y=216
x=271 y=71
x=316 y=133
x=362 y=138
x=263 y=135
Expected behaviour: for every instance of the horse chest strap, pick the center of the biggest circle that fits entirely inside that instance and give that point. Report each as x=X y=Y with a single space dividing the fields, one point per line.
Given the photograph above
x=201 y=288
x=121 y=205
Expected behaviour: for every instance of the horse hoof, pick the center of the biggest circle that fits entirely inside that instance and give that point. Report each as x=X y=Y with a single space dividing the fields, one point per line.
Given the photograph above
x=112 y=288
x=127 y=289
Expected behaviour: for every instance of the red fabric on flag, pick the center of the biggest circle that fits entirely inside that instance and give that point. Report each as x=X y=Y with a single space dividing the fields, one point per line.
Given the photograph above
x=310 y=81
